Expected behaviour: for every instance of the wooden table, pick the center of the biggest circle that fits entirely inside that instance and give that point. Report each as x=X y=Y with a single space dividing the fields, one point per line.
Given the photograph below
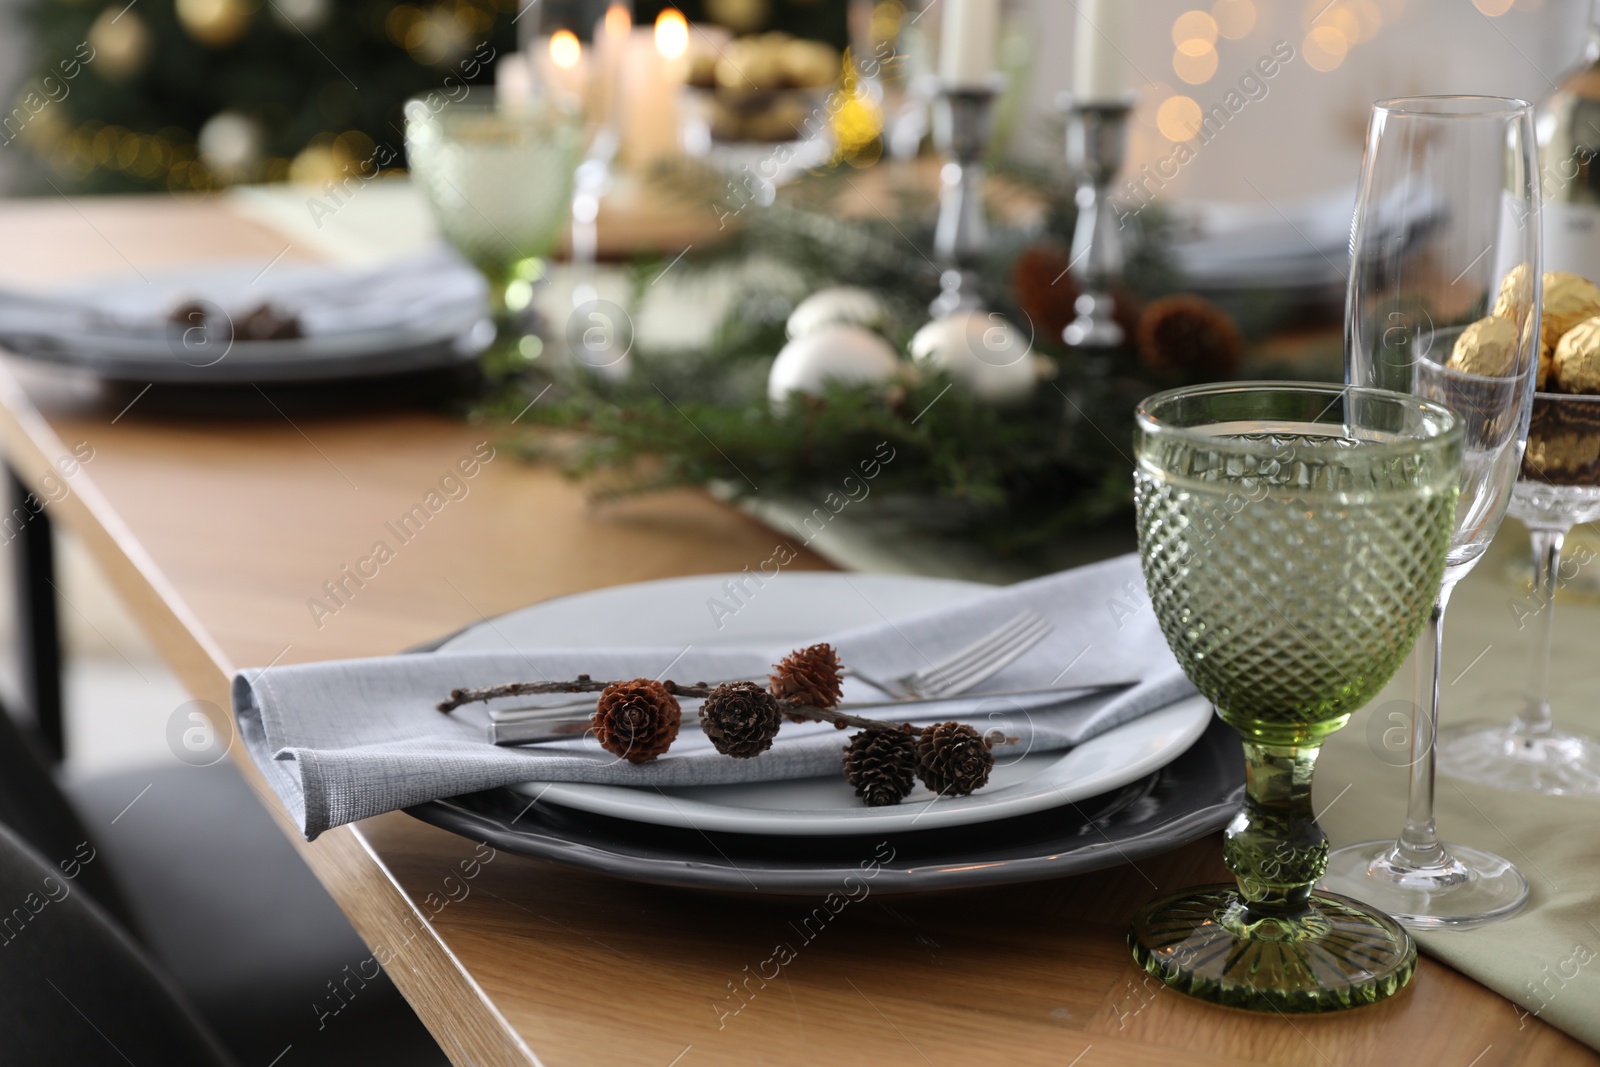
x=217 y=531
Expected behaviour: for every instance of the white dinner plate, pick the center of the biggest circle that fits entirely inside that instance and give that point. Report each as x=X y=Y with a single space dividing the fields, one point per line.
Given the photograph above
x=793 y=610
x=352 y=329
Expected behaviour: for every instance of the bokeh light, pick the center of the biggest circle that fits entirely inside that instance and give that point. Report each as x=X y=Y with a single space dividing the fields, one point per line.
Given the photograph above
x=1194 y=32
x=1234 y=18
x=1325 y=48
x=565 y=49
x=1493 y=7
x=672 y=33
x=1193 y=69
x=1178 y=118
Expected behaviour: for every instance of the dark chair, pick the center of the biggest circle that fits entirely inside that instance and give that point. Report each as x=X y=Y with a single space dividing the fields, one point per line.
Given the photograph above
x=197 y=870
x=74 y=989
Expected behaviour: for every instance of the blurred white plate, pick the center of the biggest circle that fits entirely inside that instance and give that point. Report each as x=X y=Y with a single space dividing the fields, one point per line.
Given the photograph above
x=422 y=313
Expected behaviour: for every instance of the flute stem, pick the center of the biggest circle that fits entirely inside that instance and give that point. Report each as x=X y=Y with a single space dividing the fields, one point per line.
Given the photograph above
x=1534 y=718
x=1419 y=840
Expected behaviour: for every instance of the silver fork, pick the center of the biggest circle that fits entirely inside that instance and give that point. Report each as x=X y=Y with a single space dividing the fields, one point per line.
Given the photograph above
x=966 y=667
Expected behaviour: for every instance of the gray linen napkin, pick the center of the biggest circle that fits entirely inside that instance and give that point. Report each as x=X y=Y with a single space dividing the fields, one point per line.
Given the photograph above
x=347 y=740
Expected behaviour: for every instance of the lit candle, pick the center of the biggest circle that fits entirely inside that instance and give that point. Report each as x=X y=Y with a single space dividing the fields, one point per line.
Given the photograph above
x=1100 y=46
x=612 y=45
x=967 y=42
x=672 y=37
x=559 y=64
x=653 y=80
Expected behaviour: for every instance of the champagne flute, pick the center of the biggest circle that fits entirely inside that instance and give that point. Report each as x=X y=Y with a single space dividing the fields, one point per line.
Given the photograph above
x=1292 y=537
x=1559 y=488
x=1443 y=302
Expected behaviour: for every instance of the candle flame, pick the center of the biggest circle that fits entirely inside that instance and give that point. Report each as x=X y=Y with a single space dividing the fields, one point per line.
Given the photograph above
x=618 y=21
x=672 y=33
x=565 y=49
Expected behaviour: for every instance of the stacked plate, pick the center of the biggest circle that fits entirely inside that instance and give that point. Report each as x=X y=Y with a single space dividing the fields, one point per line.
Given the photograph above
x=189 y=325
x=1142 y=788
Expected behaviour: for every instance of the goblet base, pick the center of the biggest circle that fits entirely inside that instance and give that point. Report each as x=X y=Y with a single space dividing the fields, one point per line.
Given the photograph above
x=1496 y=754
x=1334 y=954
x=1470 y=888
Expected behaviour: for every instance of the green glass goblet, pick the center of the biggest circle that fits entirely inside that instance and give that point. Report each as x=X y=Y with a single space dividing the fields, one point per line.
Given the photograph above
x=499 y=184
x=1293 y=538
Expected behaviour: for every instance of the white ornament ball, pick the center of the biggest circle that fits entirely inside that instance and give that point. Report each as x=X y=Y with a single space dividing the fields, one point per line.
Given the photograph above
x=840 y=353
x=841 y=304
x=230 y=143
x=980 y=350
x=303 y=15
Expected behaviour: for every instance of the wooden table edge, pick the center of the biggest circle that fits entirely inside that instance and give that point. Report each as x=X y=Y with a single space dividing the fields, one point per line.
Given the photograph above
x=461 y=1018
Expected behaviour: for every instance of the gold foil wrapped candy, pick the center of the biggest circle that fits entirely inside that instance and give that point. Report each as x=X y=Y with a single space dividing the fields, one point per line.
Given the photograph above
x=1577 y=358
x=1516 y=288
x=1487 y=348
x=1566 y=458
x=1568 y=300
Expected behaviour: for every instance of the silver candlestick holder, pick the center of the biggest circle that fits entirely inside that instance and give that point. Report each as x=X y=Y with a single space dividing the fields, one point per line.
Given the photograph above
x=963 y=122
x=1097 y=142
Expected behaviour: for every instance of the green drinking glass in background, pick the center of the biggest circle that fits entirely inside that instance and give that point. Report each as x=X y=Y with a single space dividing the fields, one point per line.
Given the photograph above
x=499 y=183
x=1293 y=539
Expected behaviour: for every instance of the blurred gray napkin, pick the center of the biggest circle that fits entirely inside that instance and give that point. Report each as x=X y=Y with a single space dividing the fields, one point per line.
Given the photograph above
x=343 y=741
x=326 y=300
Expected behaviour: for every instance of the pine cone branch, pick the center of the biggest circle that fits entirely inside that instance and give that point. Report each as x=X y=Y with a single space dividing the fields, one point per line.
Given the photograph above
x=582 y=684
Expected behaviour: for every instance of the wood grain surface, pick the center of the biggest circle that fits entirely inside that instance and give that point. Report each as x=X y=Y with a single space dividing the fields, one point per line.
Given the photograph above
x=217 y=521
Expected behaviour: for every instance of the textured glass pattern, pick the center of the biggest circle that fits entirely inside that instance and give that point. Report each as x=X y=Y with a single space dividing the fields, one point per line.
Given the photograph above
x=1291 y=583
x=1293 y=539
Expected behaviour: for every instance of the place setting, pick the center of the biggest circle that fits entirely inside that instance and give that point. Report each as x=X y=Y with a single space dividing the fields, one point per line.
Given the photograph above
x=1055 y=773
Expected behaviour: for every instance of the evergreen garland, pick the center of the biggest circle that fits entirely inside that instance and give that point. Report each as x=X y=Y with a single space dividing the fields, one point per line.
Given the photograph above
x=1013 y=479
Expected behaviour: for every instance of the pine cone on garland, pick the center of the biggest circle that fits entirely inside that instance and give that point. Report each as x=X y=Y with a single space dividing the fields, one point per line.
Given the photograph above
x=809 y=676
x=1190 y=336
x=953 y=759
x=741 y=719
x=881 y=764
x=1043 y=289
x=637 y=720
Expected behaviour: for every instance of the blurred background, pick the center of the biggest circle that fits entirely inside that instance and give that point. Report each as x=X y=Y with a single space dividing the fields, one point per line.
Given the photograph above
x=188 y=95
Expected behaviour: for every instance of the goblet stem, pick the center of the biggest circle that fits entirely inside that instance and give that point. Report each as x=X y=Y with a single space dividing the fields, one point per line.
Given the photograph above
x=1418 y=845
x=1274 y=846
x=1533 y=719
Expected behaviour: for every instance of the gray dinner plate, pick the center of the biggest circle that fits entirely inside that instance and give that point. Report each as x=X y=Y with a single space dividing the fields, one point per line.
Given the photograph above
x=1192 y=796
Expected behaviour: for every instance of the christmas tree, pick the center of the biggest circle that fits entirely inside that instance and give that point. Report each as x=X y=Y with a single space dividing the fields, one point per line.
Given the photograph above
x=192 y=95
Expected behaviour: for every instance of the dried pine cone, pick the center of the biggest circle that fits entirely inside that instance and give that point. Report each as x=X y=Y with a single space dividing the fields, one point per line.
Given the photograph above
x=741 y=719
x=953 y=759
x=1044 y=290
x=881 y=765
x=268 y=322
x=1191 y=336
x=636 y=720
x=809 y=676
